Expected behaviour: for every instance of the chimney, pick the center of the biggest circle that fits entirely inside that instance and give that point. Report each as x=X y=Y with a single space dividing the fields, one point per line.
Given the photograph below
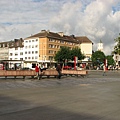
x=61 y=33
x=43 y=31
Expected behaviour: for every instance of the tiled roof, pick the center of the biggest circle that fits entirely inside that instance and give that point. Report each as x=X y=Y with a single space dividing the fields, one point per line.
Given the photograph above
x=53 y=35
x=83 y=39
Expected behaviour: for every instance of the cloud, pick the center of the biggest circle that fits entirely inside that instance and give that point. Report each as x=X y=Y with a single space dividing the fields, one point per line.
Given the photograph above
x=96 y=19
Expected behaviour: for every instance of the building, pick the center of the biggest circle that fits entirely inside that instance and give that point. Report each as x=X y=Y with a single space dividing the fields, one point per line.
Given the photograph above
x=4 y=50
x=11 y=53
x=42 y=47
x=86 y=47
x=100 y=46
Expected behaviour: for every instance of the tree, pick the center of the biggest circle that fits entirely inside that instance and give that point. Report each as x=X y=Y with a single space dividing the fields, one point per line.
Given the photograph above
x=76 y=52
x=62 y=54
x=110 y=60
x=117 y=46
x=98 y=58
x=66 y=54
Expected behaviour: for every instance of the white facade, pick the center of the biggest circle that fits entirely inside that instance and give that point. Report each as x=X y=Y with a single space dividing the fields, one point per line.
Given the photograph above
x=16 y=53
x=31 y=49
x=100 y=46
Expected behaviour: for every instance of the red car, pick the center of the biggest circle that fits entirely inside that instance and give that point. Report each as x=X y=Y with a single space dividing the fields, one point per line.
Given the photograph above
x=67 y=67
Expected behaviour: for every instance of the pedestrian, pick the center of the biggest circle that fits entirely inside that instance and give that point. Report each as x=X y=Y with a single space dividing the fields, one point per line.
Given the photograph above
x=37 y=70
x=104 y=70
x=59 y=69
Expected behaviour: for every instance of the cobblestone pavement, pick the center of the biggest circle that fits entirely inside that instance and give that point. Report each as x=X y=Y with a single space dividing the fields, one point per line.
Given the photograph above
x=93 y=78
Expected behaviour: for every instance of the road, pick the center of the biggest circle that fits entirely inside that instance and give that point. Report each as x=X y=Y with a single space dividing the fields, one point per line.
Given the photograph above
x=95 y=97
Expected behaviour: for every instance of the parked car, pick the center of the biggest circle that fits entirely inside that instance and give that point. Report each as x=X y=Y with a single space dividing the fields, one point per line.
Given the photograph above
x=67 y=67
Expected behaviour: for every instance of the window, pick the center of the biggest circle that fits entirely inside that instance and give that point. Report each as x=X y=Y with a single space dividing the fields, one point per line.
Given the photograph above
x=36 y=46
x=16 y=48
x=36 y=52
x=50 y=57
x=29 y=46
x=51 y=51
x=32 y=52
x=36 y=40
x=51 y=46
x=21 y=53
x=26 y=41
x=29 y=41
x=32 y=46
x=51 y=40
x=29 y=52
x=61 y=41
x=36 y=57
x=11 y=54
x=32 y=40
x=32 y=57
x=25 y=58
x=25 y=52
x=21 y=58
x=16 y=54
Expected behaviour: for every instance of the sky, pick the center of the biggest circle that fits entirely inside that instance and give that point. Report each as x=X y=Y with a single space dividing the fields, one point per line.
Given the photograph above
x=96 y=19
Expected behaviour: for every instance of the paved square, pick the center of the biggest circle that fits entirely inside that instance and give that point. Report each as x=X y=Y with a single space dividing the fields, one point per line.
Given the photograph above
x=95 y=97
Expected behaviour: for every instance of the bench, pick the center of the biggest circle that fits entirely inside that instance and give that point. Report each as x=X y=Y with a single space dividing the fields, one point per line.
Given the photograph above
x=54 y=73
x=15 y=73
x=48 y=73
x=75 y=72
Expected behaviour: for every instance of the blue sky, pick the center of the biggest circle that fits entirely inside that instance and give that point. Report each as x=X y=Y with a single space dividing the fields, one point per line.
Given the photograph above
x=96 y=19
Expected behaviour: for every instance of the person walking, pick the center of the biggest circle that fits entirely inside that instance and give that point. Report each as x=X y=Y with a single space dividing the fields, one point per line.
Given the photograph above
x=104 y=70
x=59 y=69
x=37 y=70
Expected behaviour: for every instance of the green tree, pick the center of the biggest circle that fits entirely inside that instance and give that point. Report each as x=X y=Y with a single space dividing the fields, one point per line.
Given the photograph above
x=98 y=58
x=117 y=46
x=65 y=53
x=110 y=60
x=76 y=52
x=62 y=54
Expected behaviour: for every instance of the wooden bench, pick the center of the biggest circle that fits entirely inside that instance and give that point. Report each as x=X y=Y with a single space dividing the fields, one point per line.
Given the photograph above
x=48 y=73
x=15 y=73
x=75 y=72
x=54 y=73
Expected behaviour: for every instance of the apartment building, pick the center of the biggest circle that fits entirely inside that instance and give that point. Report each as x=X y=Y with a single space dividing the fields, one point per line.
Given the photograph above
x=43 y=46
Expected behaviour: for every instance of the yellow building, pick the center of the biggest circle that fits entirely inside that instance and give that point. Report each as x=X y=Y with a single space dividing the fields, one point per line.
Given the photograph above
x=49 y=43
x=46 y=44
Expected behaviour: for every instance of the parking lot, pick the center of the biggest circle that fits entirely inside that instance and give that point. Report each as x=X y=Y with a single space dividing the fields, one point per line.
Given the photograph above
x=95 y=97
